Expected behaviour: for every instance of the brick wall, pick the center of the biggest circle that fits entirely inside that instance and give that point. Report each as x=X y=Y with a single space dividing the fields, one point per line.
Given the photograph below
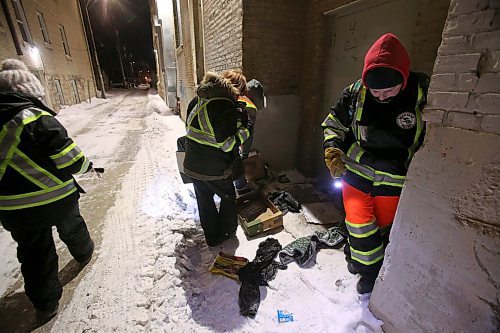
x=312 y=95
x=427 y=36
x=465 y=86
x=185 y=56
x=52 y=62
x=222 y=20
x=277 y=59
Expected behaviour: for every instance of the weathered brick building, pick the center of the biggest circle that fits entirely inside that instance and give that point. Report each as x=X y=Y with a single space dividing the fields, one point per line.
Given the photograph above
x=441 y=269
x=49 y=37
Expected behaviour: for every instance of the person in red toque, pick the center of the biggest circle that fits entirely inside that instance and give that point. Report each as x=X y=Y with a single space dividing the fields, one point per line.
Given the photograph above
x=370 y=137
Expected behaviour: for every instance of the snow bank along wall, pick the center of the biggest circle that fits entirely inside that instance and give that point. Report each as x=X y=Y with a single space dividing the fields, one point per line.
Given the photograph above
x=441 y=270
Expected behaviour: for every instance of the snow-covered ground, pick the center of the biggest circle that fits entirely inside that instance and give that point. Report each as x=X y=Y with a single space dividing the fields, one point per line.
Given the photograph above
x=150 y=269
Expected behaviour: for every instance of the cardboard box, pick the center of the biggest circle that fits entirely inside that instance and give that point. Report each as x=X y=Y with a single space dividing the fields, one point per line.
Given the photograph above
x=256 y=214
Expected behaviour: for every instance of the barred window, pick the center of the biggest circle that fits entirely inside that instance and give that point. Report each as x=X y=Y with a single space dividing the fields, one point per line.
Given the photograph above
x=59 y=91
x=21 y=21
x=43 y=27
x=64 y=40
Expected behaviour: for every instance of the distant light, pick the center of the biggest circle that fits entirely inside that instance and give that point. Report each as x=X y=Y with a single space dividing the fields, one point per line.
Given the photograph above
x=337 y=183
x=145 y=78
x=35 y=52
x=35 y=57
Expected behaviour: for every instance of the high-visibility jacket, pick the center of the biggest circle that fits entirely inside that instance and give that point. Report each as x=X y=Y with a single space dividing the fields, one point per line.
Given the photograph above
x=378 y=139
x=248 y=102
x=203 y=131
x=214 y=130
x=37 y=158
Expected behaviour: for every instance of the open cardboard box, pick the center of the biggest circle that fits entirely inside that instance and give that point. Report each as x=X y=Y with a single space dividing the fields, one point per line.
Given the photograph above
x=257 y=214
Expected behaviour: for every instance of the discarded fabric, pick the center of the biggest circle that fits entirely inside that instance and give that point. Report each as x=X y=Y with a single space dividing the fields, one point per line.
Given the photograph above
x=228 y=265
x=285 y=201
x=303 y=249
x=257 y=273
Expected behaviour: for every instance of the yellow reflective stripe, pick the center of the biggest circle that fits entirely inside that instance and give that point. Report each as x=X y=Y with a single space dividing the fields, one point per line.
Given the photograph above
x=420 y=125
x=368 y=253
x=361 y=230
x=85 y=166
x=331 y=136
x=27 y=176
x=248 y=103
x=361 y=103
x=38 y=168
x=32 y=171
x=67 y=156
x=388 y=184
x=366 y=263
x=355 y=152
x=389 y=174
x=353 y=170
x=203 y=142
x=204 y=122
x=244 y=133
x=38 y=198
x=64 y=151
x=368 y=257
x=8 y=145
x=228 y=144
x=385 y=178
x=73 y=160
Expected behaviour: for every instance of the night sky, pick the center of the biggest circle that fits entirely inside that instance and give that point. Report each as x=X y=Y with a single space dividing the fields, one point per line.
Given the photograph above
x=132 y=20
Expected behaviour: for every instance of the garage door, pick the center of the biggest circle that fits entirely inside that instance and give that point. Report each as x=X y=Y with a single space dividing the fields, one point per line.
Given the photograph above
x=353 y=29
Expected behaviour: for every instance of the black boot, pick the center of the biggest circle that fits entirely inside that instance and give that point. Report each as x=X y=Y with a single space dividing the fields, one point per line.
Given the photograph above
x=365 y=284
x=351 y=268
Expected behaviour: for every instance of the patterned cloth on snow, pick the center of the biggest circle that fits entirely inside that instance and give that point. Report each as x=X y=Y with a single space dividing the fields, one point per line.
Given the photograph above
x=303 y=249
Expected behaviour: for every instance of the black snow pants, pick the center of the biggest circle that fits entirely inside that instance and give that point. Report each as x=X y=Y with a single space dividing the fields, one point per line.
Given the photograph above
x=216 y=224
x=37 y=254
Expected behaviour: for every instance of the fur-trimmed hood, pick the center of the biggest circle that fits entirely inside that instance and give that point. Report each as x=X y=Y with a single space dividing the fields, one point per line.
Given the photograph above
x=214 y=85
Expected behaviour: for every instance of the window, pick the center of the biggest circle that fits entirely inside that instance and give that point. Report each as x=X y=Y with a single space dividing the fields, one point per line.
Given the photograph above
x=43 y=27
x=75 y=91
x=21 y=21
x=59 y=91
x=64 y=40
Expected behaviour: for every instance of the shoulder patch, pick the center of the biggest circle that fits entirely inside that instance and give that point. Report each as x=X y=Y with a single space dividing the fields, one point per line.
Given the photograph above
x=406 y=120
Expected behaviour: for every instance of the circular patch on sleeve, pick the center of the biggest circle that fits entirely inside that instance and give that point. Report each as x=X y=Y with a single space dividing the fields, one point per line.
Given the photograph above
x=406 y=120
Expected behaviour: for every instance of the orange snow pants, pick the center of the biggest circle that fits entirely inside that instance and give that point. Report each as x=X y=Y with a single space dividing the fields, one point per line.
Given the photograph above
x=367 y=220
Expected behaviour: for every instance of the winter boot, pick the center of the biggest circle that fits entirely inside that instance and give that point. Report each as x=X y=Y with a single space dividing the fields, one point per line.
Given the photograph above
x=47 y=311
x=85 y=259
x=351 y=268
x=365 y=284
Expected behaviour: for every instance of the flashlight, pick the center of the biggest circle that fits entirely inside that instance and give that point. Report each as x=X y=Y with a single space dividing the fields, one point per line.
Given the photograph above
x=337 y=183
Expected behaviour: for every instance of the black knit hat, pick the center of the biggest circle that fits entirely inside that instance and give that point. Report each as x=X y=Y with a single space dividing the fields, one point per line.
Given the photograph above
x=382 y=78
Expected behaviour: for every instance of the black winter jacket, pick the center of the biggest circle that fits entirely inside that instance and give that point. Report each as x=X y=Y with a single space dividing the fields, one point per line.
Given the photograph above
x=39 y=140
x=387 y=131
x=205 y=162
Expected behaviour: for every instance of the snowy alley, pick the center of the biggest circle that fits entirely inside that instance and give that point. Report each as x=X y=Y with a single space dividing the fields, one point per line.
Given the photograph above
x=150 y=272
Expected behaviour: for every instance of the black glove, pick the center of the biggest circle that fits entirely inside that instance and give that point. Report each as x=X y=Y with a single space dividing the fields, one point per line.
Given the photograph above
x=99 y=170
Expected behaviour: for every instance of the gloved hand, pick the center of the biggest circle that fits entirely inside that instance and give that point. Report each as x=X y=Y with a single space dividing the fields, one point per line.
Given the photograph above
x=333 y=161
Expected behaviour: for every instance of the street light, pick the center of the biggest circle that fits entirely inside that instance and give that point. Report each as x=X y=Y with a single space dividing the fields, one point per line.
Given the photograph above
x=101 y=81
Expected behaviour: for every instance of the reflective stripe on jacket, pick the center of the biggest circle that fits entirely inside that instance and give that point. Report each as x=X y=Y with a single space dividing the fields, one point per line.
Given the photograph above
x=205 y=134
x=51 y=187
x=248 y=102
x=347 y=128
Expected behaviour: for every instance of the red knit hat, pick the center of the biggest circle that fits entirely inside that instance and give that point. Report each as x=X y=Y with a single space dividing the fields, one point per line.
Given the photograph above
x=385 y=58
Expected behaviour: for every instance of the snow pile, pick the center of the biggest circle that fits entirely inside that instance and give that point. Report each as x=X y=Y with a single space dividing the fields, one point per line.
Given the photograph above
x=156 y=104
